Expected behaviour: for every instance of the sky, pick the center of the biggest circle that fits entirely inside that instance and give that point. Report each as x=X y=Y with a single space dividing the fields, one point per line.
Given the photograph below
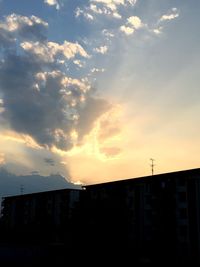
x=94 y=89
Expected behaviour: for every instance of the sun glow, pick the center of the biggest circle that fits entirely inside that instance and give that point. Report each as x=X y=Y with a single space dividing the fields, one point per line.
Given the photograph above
x=101 y=142
x=19 y=138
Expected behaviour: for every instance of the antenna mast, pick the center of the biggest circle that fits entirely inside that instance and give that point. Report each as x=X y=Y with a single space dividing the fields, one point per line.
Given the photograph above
x=152 y=166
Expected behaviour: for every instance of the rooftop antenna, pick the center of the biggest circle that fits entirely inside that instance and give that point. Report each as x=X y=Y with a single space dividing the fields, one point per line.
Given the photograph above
x=152 y=166
x=22 y=189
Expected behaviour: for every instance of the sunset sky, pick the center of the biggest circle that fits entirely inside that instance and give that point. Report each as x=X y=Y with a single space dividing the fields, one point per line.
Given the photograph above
x=94 y=89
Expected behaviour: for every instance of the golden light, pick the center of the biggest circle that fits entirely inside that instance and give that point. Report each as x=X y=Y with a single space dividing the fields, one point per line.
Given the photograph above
x=74 y=135
x=2 y=158
x=103 y=141
x=19 y=138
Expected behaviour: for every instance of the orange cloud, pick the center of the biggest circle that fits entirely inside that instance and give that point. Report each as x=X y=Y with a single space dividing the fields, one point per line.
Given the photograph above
x=9 y=135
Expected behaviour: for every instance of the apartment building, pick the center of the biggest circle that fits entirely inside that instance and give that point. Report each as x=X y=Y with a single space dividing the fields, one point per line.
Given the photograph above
x=153 y=219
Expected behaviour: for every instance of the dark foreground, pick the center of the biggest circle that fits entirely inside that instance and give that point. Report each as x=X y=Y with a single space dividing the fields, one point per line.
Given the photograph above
x=61 y=255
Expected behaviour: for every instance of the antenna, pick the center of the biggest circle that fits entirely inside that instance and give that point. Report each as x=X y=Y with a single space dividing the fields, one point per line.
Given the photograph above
x=22 y=189
x=152 y=166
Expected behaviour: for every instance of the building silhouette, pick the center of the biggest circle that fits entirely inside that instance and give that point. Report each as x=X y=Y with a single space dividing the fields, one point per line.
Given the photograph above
x=153 y=219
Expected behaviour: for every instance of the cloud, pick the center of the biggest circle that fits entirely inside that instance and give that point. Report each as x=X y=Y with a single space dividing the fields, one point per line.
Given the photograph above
x=110 y=125
x=107 y=33
x=101 y=49
x=49 y=161
x=109 y=4
x=22 y=26
x=132 y=2
x=15 y=22
x=103 y=7
x=48 y=51
x=52 y=3
x=93 y=109
x=158 y=30
x=6 y=39
x=109 y=133
x=1 y=106
x=108 y=130
x=95 y=9
x=113 y=4
x=105 y=11
x=127 y=30
x=52 y=111
x=93 y=70
x=2 y=158
x=78 y=63
x=172 y=14
x=84 y=13
x=133 y=23
x=111 y=152
x=88 y=16
x=78 y=12
x=7 y=135
x=38 y=98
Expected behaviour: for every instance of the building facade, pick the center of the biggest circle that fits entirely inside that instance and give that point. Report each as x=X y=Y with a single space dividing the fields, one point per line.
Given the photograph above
x=40 y=217
x=154 y=219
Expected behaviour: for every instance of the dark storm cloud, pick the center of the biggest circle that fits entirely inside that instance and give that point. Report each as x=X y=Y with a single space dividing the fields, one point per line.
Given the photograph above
x=41 y=114
x=38 y=98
